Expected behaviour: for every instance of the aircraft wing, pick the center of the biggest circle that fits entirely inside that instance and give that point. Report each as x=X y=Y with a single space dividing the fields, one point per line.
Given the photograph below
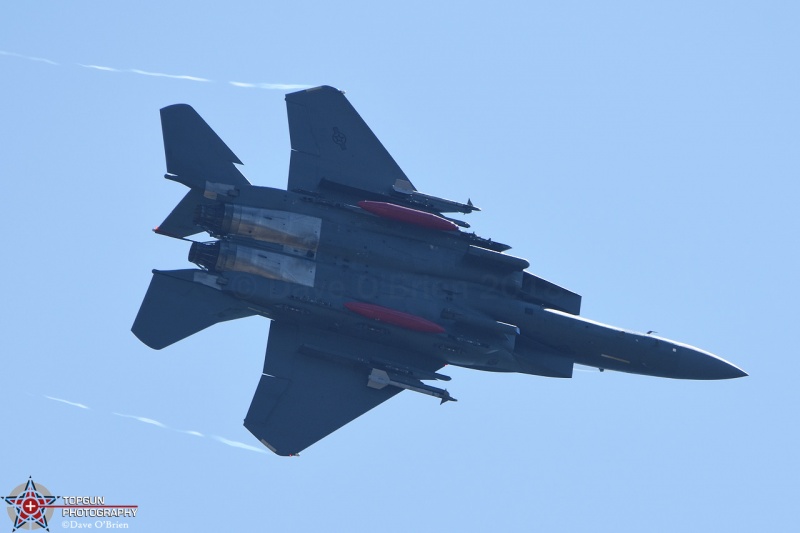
x=316 y=381
x=332 y=147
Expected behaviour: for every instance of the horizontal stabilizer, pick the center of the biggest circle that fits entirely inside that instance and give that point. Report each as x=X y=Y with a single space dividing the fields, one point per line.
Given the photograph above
x=177 y=306
x=180 y=222
x=195 y=154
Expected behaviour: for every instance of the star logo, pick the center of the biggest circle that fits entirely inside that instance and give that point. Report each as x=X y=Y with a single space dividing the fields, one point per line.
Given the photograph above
x=29 y=507
x=339 y=138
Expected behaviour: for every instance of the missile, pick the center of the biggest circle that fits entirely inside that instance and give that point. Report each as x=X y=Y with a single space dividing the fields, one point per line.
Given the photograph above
x=378 y=379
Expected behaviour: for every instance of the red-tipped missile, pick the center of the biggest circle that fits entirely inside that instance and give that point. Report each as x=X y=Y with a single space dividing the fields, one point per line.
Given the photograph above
x=396 y=318
x=407 y=215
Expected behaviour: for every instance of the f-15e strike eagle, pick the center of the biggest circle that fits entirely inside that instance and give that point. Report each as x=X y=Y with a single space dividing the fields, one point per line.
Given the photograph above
x=370 y=287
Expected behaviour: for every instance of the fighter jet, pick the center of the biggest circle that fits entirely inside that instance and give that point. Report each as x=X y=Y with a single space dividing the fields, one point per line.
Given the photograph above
x=372 y=287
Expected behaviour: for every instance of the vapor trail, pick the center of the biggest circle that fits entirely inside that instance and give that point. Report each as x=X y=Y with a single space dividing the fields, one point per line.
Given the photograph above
x=162 y=75
x=237 y=444
x=29 y=58
x=143 y=420
x=98 y=67
x=74 y=404
x=185 y=77
x=156 y=423
x=223 y=440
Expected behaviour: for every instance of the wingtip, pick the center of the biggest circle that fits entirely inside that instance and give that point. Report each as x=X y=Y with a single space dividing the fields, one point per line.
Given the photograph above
x=160 y=231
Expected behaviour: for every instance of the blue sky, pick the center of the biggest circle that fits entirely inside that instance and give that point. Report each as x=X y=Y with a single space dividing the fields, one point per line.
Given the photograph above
x=643 y=154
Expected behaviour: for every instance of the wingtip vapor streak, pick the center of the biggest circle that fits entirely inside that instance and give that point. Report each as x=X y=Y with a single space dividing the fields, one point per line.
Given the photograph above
x=371 y=287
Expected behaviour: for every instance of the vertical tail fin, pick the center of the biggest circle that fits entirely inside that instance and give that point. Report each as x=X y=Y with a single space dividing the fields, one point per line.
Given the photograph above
x=195 y=156
x=194 y=153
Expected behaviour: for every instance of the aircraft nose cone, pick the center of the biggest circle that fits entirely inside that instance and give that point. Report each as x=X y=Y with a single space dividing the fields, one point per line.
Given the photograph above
x=703 y=365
